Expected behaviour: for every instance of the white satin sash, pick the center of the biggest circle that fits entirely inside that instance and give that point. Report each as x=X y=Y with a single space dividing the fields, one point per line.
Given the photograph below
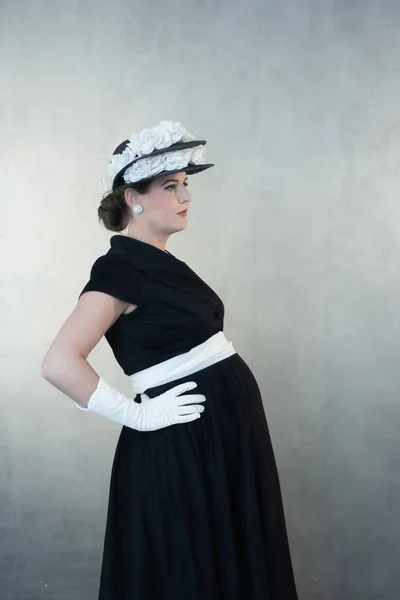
x=213 y=350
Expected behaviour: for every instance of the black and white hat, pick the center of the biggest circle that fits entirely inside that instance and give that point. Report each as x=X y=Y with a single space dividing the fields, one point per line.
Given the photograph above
x=160 y=150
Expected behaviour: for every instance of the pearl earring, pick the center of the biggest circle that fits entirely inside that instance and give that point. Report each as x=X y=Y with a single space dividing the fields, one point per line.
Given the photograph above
x=137 y=209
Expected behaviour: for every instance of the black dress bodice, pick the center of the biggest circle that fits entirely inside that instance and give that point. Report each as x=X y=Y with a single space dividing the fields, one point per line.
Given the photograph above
x=176 y=311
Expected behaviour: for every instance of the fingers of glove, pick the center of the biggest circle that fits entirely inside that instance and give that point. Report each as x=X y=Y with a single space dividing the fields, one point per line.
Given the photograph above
x=190 y=399
x=189 y=410
x=188 y=418
x=181 y=388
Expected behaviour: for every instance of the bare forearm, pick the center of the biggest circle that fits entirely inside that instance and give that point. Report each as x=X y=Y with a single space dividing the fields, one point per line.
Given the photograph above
x=72 y=375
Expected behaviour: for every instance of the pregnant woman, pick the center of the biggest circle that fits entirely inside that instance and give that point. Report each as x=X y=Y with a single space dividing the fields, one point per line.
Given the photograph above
x=195 y=509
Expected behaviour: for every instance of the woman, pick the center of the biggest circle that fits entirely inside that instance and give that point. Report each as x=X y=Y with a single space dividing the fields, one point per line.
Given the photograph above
x=195 y=508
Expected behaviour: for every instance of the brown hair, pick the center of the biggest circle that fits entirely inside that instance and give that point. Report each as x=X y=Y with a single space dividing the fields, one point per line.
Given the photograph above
x=113 y=211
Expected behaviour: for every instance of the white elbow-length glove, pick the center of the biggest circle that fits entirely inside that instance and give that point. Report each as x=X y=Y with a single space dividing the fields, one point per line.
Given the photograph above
x=170 y=408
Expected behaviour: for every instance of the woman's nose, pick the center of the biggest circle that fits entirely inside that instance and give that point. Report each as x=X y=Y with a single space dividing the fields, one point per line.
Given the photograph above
x=185 y=196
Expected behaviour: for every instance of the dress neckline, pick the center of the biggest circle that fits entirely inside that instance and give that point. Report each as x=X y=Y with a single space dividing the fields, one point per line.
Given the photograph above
x=161 y=266
x=142 y=252
x=119 y=237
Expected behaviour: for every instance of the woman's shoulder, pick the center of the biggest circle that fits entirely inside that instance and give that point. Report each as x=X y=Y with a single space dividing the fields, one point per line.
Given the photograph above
x=108 y=264
x=114 y=276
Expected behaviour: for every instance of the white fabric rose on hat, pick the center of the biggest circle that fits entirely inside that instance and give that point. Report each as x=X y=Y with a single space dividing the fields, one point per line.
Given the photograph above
x=160 y=136
x=169 y=133
x=176 y=160
x=134 y=148
x=146 y=142
x=163 y=134
x=198 y=155
x=118 y=161
x=139 y=170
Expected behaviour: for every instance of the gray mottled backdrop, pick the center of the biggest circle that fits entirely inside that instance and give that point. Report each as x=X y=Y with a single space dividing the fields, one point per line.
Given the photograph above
x=298 y=229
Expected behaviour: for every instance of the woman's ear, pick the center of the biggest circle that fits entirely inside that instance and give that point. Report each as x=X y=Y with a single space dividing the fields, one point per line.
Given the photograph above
x=131 y=197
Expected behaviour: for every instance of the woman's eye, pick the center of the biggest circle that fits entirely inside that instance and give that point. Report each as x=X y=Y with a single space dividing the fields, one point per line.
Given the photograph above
x=173 y=186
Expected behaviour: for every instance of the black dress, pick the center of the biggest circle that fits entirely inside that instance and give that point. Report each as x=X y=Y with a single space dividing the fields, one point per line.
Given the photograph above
x=195 y=509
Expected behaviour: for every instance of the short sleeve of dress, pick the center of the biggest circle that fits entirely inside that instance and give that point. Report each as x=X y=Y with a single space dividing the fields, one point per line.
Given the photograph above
x=115 y=277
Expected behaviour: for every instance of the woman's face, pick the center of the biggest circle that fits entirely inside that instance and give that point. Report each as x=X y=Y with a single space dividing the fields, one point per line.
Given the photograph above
x=165 y=204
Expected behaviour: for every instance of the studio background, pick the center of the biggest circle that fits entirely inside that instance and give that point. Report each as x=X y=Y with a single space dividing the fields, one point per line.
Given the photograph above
x=297 y=228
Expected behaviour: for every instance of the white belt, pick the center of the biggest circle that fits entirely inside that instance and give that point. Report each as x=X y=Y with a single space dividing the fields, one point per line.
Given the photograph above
x=213 y=350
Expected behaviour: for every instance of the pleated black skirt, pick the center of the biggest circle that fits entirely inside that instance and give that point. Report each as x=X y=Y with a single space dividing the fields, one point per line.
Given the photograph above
x=195 y=510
